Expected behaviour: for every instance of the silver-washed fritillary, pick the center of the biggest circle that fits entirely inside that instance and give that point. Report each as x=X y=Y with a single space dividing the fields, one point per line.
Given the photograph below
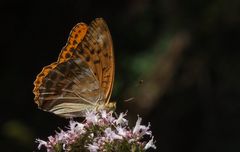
x=82 y=78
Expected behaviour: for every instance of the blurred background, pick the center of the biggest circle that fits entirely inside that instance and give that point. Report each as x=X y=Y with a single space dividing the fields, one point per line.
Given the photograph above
x=177 y=66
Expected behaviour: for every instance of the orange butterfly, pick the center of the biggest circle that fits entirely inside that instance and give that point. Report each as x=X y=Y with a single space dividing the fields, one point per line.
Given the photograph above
x=82 y=78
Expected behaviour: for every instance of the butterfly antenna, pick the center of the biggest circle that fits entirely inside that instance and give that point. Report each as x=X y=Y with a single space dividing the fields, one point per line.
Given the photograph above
x=129 y=99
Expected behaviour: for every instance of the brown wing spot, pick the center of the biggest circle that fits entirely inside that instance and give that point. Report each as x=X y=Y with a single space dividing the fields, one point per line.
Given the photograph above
x=62 y=68
x=106 y=55
x=61 y=78
x=75 y=42
x=96 y=62
x=49 y=84
x=87 y=58
x=67 y=55
x=104 y=81
x=71 y=49
x=76 y=35
x=92 y=51
x=53 y=75
x=37 y=82
x=106 y=76
x=81 y=51
x=98 y=51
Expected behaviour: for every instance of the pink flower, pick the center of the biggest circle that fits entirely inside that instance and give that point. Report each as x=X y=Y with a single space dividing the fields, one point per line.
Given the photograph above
x=111 y=135
x=104 y=114
x=121 y=120
x=76 y=127
x=150 y=144
x=91 y=117
x=122 y=131
x=52 y=140
x=41 y=143
x=61 y=136
x=144 y=130
x=100 y=131
x=93 y=147
x=137 y=127
x=141 y=130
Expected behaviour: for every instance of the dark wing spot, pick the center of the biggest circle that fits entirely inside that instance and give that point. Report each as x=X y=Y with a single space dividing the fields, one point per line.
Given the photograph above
x=67 y=55
x=49 y=84
x=60 y=78
x=74 y=42
x=37 y=82
x=71 y=49
x=104 y=81
x=106 y=76
x=81 y=51
x=92 y=51
x=106 y=55
x=104 y=44
x=53 y=75
x=87 y=58
x=98 y=51
x=96 y=62
x=76 y=35
x=71 y=65
x=62 y=68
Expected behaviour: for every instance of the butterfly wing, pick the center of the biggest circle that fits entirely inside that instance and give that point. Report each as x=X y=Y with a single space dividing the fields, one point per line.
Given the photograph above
x=75 y=37
x=68 y=89
x=83 y=75
x=97 y=50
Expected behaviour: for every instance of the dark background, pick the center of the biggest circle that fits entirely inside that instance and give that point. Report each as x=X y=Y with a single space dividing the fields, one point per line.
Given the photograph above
x=179 y=60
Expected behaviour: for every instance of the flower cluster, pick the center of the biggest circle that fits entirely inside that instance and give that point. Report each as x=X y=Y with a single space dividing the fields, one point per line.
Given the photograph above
x=100 y=131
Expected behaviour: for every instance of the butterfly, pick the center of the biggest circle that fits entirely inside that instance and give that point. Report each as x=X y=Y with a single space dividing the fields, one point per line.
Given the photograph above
x=82 y=78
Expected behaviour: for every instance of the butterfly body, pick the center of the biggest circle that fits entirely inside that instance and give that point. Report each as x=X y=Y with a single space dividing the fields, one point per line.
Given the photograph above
x=82 y=78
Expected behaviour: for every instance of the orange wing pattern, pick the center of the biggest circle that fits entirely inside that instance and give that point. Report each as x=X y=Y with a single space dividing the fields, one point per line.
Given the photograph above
x=75 y=37
x=70 y=89
x=97 y=50
x=39 y=79
x=83 y=76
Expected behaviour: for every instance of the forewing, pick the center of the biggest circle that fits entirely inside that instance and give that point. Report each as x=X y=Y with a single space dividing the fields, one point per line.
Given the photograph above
x=97 y=50
x=69 y=89
x=75 y=37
